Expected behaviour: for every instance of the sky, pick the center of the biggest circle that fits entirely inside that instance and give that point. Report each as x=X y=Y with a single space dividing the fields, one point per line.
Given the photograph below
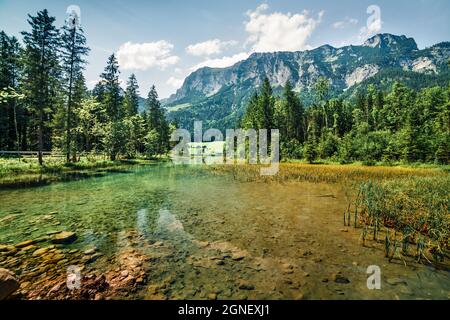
x=163 y=41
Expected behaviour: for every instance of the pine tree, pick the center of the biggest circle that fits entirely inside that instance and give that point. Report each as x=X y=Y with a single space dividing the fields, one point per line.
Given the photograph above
x=322 y=89
x=41 y=74
x=131 y=100
x=153 y=107
x=74 y=50
x=250 y=118
x=156 y=123
x=79 y=94
x=294 y=114
x=11 y=111
x=266 y=106
x=112 y=93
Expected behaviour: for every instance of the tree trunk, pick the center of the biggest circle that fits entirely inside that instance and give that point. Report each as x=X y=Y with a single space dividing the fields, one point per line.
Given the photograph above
x=40 y=137
x=16 y=129
x=69 y=102
x=41 y=103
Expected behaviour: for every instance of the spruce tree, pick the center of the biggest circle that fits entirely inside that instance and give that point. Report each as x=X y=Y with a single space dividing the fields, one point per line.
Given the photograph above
x=12 y=111
x=266 y=106
x=112 y=93
x=157 y=124
x=41 y=74
x=294 y=113
x=74 y=50
x=131 y=100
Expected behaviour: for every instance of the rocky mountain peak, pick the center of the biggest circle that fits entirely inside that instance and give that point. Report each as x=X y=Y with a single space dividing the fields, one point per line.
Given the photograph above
x=391 y=42
x=220 y=95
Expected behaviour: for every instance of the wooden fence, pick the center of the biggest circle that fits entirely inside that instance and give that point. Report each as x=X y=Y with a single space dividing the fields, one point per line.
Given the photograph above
x=44 y=153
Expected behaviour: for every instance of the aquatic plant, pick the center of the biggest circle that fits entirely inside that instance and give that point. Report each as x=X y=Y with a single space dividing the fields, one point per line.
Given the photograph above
x=412 y=202
x=416 y=207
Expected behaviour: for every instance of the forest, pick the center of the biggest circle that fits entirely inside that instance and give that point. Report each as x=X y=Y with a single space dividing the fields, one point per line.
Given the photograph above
x=46 y=106
x=399 y=125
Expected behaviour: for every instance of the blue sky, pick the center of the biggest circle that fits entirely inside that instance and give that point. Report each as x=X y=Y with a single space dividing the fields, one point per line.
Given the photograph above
x=163 y=41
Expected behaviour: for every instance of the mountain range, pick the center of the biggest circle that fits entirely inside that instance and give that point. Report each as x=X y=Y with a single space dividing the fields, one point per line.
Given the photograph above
x=218 y=96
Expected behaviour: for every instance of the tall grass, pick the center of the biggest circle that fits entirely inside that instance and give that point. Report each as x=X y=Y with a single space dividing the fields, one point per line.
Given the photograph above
x=27 y=171
x=326 y=173
x=413 y=211
x=408 y=207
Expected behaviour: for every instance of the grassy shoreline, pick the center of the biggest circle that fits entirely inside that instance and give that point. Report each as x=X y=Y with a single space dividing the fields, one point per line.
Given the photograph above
x=26 y=172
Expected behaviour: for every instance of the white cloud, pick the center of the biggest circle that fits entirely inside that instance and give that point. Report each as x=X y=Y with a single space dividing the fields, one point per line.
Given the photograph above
x=142 y=56
x=174 y=82
x=267 y=33
x=223 y=62
x=209 y=47
x=280 y=32
x=344 y=23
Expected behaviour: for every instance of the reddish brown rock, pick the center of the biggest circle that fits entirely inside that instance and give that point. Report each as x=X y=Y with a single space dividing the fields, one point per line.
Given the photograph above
x=8 y=283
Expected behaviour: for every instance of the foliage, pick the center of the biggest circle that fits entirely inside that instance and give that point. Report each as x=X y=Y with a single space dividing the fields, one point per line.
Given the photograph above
x=397 y=125
x=45 y=105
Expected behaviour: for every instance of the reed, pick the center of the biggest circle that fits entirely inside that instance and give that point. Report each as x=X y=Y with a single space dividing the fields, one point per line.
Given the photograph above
x=415 y=207
x=411 y=202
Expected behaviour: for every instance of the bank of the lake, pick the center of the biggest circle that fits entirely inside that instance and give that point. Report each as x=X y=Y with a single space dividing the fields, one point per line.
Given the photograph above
x=26 y=172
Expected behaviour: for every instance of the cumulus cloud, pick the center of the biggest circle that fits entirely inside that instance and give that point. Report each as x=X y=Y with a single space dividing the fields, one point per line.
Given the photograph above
x=209 y=47
x=142 y=56
x=223 y=62
x=276 y=31
x=345 y=23
x=174 y=82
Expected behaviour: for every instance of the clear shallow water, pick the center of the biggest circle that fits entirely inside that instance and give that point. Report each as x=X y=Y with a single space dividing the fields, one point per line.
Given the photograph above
x=208 y=236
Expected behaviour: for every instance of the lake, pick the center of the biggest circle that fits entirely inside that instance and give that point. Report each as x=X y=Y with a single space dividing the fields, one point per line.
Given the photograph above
x=175 y=232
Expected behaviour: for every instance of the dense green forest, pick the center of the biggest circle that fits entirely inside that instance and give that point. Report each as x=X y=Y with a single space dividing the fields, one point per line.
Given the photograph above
x=399 y=124
x=45 y=105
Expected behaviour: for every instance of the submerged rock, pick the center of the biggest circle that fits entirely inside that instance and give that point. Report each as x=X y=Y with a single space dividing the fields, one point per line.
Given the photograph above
x=64 y=237
x=90 y=251
x=287 y=268
x=6 y=248
x=8 y=283
x=396 y=281
x=244 y=285
x=339 y=278
x=50 y=233
x=212 y=296
x=24 y=244
x=28 y=248
x=307 y=253
x=238 y=255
